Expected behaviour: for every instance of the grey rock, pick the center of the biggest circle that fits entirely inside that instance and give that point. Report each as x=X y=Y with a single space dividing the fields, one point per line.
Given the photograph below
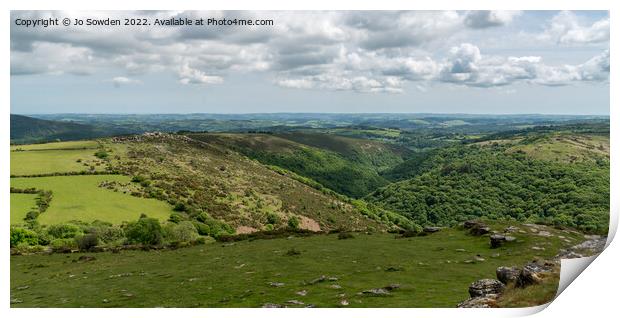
x=376 y=292
x=479 y=302
x=431 y=229
x=507 y=275
x=485 y=287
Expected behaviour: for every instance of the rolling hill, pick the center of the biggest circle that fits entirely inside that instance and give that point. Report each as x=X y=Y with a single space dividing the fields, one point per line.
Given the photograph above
x=348 y=166
x=26 y=129
x=559 y=178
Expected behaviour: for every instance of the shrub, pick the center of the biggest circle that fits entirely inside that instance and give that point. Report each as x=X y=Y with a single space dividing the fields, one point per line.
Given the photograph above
x=345 y=235
x=63 y=245
x=63 y=231
x=180 y=207
x=176 y=217
x=110 y=234
x=101 y=154
x=31 y=215
x=87 y=241
x=269 y=227
x=23 y=236
x=293 y=223
x=144 y=231
x=217 y=228
x=138 y=179
x=202 y=228
x=273 y=218
x=182 y=232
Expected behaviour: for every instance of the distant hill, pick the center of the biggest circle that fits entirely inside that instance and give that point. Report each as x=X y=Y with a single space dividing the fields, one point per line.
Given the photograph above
x=26 y=129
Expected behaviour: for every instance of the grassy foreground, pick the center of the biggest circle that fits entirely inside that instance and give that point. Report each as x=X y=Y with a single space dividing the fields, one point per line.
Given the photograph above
x=253 y=273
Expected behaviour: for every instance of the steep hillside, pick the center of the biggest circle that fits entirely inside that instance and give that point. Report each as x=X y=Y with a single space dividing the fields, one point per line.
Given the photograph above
x=30 y=130
x=345 y=165
x=519 y=179
x=198 y=177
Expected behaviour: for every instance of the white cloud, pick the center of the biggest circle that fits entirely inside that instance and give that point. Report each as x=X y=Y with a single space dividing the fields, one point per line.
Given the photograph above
x=188 y=75
x=369 y=52
x=486 y=19
x=121 y=80
x=566 y=28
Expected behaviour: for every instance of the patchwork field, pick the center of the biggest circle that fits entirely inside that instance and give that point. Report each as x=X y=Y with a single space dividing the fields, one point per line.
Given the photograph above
x=21 y=203
x=283 y=271
x=51 y=161
x=82 y=144
x=81 y=198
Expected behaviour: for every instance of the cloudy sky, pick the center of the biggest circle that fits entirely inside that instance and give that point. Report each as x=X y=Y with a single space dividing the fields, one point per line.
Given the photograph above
x=363 y=61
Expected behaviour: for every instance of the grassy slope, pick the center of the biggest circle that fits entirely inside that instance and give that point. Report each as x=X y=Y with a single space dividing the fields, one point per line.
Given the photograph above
x=238 y=275
x=21 y=203
x=242 y=192
x=80 y=198
x=345 y=165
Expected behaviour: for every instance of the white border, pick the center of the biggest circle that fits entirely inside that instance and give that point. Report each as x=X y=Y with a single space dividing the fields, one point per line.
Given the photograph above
x=592 y=294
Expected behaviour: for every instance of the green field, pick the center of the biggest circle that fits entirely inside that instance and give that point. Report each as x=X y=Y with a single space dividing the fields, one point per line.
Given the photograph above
x=433 y=271
x=51 y=161
x=81 y=198
x=21 y=203
x=83 y=144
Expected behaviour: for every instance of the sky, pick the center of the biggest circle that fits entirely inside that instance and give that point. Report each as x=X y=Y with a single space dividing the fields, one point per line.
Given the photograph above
x=481 y=62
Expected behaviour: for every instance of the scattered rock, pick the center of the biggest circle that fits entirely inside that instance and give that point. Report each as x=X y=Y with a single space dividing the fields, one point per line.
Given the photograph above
x=276 y=284
x=479 y=302
x=531 y=274
x=22 y=287
x=294 y=302
x=16 y=301
x=392 y=287
x=335 y=286
x=476 y=228
x=320 y=279
x=344 y=302
x=302 y=292
x=376 y=292
x=270 y=305
x=507 y=275
x=460 y=250
x=497 y=240
x=511 y=229
x=485 y=287
x=431 y=229
x=538 y=248
x=544 y=234
x=477 y=258
x=86 y=258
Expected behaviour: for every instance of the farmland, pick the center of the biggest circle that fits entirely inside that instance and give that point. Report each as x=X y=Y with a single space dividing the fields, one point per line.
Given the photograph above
x=80 y=198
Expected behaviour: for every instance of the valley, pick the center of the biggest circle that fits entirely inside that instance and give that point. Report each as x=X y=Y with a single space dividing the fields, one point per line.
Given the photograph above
x=249 y=218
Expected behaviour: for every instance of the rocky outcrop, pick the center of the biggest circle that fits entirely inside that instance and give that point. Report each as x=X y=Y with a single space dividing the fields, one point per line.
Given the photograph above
x=507 y=275
x=431 y=229
x=531 y=273
x=498 y=239
x=593 y=245
x=485 y=287
x=483 y=294
x=476 y=228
